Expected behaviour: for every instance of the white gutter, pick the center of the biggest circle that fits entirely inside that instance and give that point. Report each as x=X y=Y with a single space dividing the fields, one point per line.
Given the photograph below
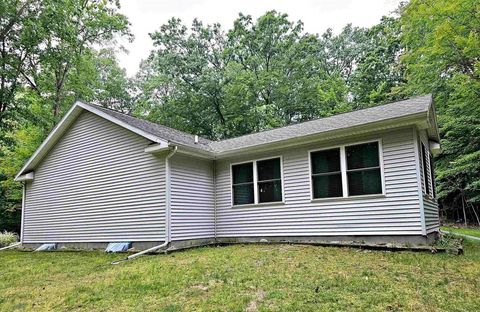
x=167 y=212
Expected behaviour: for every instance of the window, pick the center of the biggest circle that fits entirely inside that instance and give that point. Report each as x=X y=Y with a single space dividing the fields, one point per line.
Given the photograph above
x=428 y=176
x=269 y=180
x=326 y=174
x=432 y=175
x=363 y=169
x=263 y=187
x=243 y=184
x=345 y=171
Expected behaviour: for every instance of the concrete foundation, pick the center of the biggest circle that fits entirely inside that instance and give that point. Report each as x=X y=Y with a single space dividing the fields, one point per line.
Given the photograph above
x=387 y=241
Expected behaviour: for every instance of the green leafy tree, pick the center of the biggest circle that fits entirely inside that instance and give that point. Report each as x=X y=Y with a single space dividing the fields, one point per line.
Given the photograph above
x=379 y=73
x=442 y=40
x=47 y=60
x=261 y=74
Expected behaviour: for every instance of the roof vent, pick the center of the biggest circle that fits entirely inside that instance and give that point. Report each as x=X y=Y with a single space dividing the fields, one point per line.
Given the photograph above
x=196 y=139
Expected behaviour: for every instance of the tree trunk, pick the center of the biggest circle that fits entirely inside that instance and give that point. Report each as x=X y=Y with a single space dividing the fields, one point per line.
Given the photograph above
x=475 y=213
x=464 y=212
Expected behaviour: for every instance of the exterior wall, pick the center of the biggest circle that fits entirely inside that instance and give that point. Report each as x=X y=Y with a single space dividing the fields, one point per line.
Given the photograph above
x=396 y=213
x=192 y=198
x=96 y=185
x=430 y=204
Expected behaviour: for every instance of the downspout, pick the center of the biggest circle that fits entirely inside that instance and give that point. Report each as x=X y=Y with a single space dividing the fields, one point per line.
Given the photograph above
x=215 y=200
x=167 y=212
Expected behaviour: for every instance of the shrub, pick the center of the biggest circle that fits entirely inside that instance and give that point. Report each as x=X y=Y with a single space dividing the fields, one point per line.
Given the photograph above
x=8 y=238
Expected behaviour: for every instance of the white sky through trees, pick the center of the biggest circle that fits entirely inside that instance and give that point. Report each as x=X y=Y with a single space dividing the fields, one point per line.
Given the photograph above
x=147 y=16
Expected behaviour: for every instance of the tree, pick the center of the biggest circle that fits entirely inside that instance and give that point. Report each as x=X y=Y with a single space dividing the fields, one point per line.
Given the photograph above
x=379 y=73
x=260 y=74
x=47 y=60
x=66 y=30
x=442 y=40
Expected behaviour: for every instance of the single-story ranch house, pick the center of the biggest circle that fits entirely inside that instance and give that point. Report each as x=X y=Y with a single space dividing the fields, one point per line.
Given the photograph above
x=102 y=176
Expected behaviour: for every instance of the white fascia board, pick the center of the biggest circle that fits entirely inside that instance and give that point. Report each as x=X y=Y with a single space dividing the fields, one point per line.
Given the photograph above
x=26 y=177
x=157 y=148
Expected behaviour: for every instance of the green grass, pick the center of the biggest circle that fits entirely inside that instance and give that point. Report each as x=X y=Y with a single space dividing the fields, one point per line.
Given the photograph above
x=243 y=278
x=466 y=231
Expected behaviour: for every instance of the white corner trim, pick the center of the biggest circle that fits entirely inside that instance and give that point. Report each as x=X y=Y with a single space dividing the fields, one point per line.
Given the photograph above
x=416 y=147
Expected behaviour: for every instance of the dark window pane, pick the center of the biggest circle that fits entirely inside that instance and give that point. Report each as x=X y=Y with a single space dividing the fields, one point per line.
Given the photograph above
x=268 y=169
x=364 y=182
x=432 y=176
x=243 y=194
x=327 y=186
x=326 y=161
x=242 y=173
x=426 y=176
x=362 y=156
x=270 y=191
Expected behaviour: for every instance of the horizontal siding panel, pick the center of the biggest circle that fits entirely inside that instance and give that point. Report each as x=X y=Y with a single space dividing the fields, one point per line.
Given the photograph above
x=397 y=213
x=193 y=201
x=97 y=185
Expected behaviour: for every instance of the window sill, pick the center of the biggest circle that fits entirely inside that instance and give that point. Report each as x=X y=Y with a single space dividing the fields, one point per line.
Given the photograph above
x=277 y=203
x=319 y=200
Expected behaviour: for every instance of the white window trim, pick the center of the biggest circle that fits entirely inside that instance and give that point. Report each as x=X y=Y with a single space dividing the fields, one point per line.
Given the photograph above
x=343 y=169
x=255 y=182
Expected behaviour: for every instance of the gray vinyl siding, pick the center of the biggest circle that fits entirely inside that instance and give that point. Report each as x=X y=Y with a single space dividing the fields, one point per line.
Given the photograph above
x=193 y=202
x=96 y=185
x=398 y=213
x=432 y=220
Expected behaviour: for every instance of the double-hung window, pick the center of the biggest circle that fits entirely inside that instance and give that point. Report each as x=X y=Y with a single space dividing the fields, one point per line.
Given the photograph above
x=257 y=181
x=345 y=171
x=326 y=173
x=363 y=169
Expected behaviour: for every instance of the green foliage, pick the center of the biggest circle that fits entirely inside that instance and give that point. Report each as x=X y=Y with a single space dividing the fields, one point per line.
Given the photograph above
x=8 y=238
x=443 y=57
x=259 y=75
x=47 y=61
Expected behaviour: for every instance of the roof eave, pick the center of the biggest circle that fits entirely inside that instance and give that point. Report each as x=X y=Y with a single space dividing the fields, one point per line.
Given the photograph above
x=410 y=120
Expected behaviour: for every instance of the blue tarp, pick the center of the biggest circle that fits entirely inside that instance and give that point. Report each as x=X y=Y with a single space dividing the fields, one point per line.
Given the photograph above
x=47 y=247
x=118 y=247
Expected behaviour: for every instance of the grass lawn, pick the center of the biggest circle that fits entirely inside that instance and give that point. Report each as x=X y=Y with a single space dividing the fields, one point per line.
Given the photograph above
x=466 y=231
x=243 y=278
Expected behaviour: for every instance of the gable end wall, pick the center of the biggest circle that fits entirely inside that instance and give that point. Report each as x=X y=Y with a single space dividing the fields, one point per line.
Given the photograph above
x=96 y=185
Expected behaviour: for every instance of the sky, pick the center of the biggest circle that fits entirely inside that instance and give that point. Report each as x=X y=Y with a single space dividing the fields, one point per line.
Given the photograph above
x=147 y=16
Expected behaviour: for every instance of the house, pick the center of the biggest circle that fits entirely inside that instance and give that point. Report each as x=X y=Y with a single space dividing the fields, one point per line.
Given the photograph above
x=102 y=176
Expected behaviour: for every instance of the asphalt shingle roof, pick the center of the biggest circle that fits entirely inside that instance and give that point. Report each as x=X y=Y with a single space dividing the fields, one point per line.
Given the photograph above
x=398 y=109
x=161 y=131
